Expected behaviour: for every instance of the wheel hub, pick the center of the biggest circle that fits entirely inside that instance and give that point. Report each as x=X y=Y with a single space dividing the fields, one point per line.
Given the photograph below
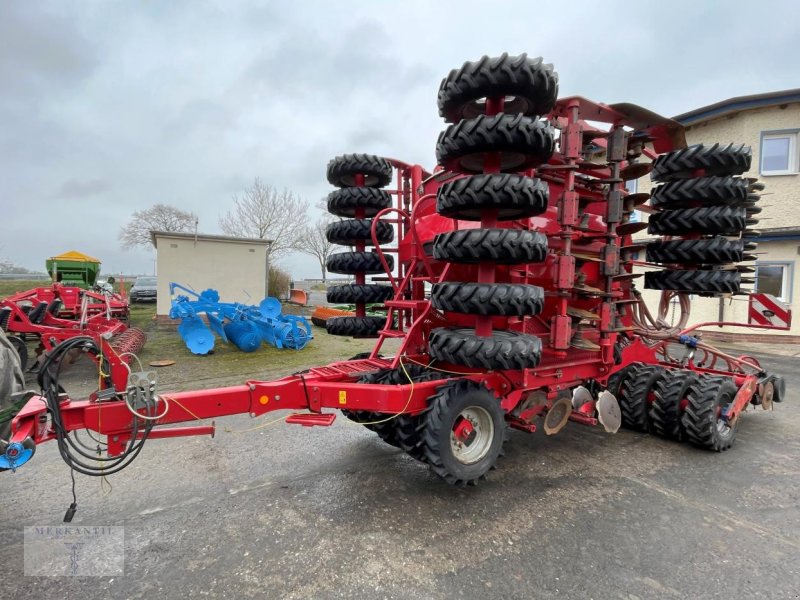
x=472 y=435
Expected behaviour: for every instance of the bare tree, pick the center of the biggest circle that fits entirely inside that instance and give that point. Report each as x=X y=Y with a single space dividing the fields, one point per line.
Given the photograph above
x=314 y=241
x=263 y=212
x=161 y=217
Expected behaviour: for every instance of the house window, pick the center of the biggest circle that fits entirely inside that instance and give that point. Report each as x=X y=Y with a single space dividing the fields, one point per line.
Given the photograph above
x=779 y=154
x=776 y=279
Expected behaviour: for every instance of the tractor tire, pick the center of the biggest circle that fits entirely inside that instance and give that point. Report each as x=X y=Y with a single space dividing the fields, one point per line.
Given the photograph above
x=345 y=202
x=637 y=395
x=22 y=350
x=352 y=231
x=359 y=294
x=507 y=350
x=702 y=424
x=457 y=462
x=357 y=327
x=522 y=142
x=342 y=170
x=530 y=84
x=720 y=220
x=665 y=412
x=512 y=196
x=349 y=263
x=703 y=191
x=716 y=160
x=716 y=251
x=695 y=282
x=496 y=299
x=502 y=246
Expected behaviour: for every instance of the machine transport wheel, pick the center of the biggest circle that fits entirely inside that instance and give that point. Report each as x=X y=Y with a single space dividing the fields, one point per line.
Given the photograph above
x=345 y=201
x=357 y=327
x=703 y=191
x=342 y=170
x=464 y=432
x=712 y=160
x=318 y=322
x=722 y=220
x=529 y=85
x=355 y=293
x=614 y=382
x=357 y=262
x=715 y=251
x=503 y=350
x=702 y=420
x=665 y=412
x=503 y=246
x=501 y=299
x=351 y=231
x=513 y=196
x=696 y=282
x=523 y=142
x=22 y=350
x=637 y=395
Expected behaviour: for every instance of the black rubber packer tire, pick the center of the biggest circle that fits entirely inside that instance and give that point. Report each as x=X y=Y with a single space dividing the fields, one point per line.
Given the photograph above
x=706 y=191
x=696 y=282
x=342 y=170
x=495 y=299
x=513 y=196
x=701 y=422
x=345 y=201
x=614 y=382
x=357 y=262
x=665 y=411
x=351 y=231
x=503 y=246
x=714 y=251
x=636 y=395
x=356 y=293
x=523 y=142
x=318 y=322
x=507 y=350
x=357 y=327
x=721 y=220
x=714 y=160
x=445 y=406
x=532 y=83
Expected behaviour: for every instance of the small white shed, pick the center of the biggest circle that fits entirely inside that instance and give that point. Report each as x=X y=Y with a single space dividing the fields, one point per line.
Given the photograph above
x=236 y=267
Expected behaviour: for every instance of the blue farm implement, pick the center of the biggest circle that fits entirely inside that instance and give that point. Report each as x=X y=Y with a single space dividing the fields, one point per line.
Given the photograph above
x=246 y=327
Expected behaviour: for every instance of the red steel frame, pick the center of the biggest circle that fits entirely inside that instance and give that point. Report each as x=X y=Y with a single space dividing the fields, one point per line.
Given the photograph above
x=575 y=195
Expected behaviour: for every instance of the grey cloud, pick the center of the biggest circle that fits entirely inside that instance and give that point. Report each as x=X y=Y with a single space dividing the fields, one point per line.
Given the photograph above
x=74 y=188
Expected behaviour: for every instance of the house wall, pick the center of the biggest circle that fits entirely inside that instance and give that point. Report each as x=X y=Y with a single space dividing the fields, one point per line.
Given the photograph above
x=236 y=269
x=780 y=205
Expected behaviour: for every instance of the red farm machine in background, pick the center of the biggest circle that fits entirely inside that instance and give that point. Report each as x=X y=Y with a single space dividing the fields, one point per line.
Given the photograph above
x=511 y=290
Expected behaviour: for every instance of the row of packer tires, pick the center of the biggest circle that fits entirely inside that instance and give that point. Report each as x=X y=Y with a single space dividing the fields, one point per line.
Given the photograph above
x=713 y=210
x=678 y=404
x=356 y=205
x=522 y=141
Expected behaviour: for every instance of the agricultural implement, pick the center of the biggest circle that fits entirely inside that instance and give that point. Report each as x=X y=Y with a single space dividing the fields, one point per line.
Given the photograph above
x=70 y=301
x=245 y=326
x=523 y=235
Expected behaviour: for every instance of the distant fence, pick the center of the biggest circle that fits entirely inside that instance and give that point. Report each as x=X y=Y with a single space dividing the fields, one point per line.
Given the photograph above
x=24 y=276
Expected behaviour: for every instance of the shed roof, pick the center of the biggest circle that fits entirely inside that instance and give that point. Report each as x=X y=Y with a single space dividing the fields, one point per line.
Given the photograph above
x=205 y=237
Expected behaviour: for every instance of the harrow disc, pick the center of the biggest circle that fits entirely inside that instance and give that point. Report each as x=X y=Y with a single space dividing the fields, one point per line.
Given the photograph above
x=512 y=196
x=522 y=142
x=529 y=86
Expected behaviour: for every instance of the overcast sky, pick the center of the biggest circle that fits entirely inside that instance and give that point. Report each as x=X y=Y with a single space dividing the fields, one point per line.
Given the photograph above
x=111 y=107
